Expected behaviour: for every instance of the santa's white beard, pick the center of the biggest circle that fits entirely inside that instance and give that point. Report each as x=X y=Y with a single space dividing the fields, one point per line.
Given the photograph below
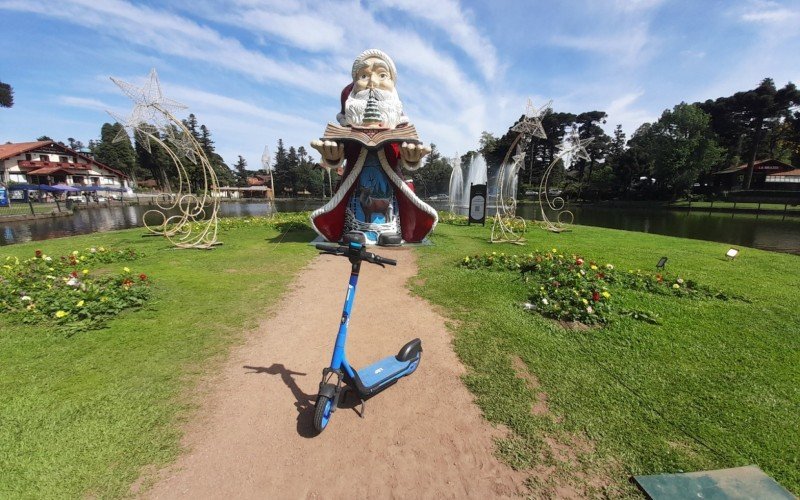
x=388 y=103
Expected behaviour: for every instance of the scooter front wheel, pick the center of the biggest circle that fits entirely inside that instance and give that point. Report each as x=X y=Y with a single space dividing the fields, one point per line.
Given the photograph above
x=322 y=413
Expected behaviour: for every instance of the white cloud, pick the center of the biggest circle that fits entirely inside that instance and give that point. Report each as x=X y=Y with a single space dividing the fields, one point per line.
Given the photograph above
x=625 y=46
x=770 y=13
x=449 y=17
x=177 y=36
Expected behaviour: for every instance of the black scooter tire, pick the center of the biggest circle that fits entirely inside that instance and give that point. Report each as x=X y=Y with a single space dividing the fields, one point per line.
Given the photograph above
x=320 y=419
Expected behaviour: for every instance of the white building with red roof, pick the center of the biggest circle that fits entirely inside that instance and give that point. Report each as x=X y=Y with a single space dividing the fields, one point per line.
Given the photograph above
x=50 y=163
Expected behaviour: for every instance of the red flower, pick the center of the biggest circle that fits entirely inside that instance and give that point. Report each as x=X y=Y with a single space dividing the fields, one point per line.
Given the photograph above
x=74 y=274
x=601 y=275
x=579 y=261
x=143 y=277
x=595 y=296
x=659 y=278
x=127 y=282
x=38 y=254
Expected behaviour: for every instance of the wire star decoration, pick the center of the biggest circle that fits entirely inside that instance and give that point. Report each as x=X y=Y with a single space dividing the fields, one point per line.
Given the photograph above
x=573 y=148
x=185 y=145
x=519 y=158
x=531 y=125
x=149 y=107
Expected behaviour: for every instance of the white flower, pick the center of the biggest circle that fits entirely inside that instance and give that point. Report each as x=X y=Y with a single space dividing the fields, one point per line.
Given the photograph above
x=680 y=281
x=47 y=258
x=73 y=282
x=583 y=273
x=609 y=266
x=589 y=310
x=93 y=250
x=544 y=301
x=25 y=298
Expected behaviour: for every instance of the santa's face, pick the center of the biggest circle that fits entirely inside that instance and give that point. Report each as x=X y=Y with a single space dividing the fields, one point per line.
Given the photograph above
x=373 y=74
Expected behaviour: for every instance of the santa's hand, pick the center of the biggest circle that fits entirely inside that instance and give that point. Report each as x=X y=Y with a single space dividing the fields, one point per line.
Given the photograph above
x=331 y=152
x=411 y=154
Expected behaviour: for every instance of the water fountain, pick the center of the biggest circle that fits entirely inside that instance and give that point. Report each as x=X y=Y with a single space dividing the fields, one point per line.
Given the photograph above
x=476 y=174
x=456 y=188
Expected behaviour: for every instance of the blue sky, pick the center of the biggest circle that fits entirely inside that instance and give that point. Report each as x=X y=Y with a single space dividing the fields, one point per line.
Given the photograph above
x=254 y=71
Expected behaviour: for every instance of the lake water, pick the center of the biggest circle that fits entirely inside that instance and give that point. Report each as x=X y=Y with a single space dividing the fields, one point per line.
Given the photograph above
x=768 y=233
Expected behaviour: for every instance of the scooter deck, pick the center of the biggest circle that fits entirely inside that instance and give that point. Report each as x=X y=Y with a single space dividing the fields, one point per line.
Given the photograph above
x=384 y=370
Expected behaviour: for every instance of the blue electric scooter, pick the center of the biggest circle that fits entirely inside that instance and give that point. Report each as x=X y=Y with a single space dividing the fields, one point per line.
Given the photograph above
x=340 y=376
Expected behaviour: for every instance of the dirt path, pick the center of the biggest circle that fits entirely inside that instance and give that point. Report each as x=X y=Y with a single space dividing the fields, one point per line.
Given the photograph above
x=423 y=437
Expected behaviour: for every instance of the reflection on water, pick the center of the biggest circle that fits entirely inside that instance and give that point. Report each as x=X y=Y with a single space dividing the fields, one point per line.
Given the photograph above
x=766 y=233
x=741 y=230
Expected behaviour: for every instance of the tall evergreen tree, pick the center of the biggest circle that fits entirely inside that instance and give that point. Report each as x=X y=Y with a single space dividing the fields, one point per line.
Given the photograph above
x=119 y=155
x=6 y=95
x=241 y=172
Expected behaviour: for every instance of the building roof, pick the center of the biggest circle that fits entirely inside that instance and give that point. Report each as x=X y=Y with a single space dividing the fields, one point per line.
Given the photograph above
x=739 y=168
x=13 y=149
x=50 y=170
x=795 y=172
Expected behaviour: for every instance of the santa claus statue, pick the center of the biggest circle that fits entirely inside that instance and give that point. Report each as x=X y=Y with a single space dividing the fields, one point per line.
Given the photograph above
x=375 y=142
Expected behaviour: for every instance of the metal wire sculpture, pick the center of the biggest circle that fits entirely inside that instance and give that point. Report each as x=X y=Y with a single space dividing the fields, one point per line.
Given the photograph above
x=195 y=225
x=572 y=148
x=507 y=227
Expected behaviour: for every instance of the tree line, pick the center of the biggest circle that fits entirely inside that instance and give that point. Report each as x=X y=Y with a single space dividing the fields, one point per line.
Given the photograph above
x=664 y=159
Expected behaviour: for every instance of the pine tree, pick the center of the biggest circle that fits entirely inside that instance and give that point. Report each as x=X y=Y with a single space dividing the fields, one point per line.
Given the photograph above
x=282 y=172
x=119 y=155
x=241 y=172
x=6 y=95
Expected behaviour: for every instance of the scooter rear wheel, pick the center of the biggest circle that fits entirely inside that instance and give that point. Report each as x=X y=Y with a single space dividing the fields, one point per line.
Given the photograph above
x=322 y=413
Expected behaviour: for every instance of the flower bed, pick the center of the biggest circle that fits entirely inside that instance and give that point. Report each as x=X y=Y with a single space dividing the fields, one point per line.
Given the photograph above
x=69 y=291
x=568 y=288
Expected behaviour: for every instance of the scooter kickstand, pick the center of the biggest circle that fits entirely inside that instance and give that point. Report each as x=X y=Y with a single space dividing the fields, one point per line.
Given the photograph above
x=363 y=407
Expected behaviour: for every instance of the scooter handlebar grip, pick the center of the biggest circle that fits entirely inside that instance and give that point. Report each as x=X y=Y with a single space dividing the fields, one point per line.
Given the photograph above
x=384 y=260
x=334 y=249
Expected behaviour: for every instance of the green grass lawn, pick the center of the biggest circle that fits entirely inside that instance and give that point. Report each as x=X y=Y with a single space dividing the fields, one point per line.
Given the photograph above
x=716 y=384
x=83 y=415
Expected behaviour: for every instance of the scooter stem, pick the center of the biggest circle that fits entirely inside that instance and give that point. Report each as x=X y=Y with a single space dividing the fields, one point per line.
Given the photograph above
x=341 y=337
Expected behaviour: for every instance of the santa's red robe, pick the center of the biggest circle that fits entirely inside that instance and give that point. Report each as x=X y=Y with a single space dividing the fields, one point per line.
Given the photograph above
x=417 y=218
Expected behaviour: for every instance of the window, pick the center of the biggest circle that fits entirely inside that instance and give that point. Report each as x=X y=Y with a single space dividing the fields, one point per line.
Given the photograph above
x=44 y=157
x=17 y=178
x=63 y=159
x=28 y=157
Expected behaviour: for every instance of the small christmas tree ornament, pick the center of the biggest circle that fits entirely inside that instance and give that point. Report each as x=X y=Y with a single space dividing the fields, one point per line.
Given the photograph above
x=372 y=115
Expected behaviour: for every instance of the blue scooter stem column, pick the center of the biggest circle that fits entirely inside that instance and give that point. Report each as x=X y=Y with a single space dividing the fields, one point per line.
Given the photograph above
x=341 y=337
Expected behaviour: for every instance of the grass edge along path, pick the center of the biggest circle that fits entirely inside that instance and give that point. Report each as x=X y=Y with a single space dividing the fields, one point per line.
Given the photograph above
x=715 y=385
x=87 y=414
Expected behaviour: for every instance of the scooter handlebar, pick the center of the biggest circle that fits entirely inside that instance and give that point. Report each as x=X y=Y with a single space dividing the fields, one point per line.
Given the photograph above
x=368 y=256
x=377 y=259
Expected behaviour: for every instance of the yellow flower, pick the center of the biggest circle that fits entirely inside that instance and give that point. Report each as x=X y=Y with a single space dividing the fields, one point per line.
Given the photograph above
x=102 y=249
x=606 y=294
x=75 y=252
x=103 y=299
x=594 y=268
x=80 y=303
x=61 y=314
x=555 y=251
x=676 y=285
x=83 y=257
x=584 y=301
x=126 y=269
x=85 y=271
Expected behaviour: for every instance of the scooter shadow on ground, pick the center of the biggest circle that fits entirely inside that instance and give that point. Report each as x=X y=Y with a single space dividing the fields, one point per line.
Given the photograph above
x=304 y=403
